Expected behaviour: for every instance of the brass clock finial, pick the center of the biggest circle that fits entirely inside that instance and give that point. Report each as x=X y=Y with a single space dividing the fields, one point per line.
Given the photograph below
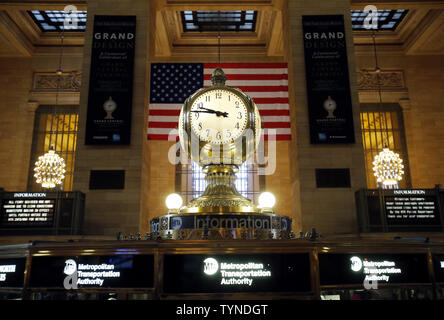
x=218 y=77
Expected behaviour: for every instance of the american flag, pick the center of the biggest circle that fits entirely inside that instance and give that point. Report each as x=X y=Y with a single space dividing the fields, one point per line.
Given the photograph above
x=172 y=83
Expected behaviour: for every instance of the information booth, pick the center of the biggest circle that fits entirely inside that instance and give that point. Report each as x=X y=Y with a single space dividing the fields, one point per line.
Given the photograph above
x=209 y=269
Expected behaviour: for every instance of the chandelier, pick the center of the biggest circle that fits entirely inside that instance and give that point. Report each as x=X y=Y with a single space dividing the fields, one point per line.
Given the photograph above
x=387 y=165
x=50 y=169
x=388 y=168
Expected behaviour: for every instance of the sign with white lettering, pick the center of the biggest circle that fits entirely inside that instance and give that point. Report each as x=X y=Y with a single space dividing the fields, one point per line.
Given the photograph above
x=12 y=272
x=29 y=195
x=394 y=210
x=328 y=85
x=108 y=119
x=406 y=207
x=223 y=221
x=29 y=212
x=237 y=273
x=359 y=269
x=118 y=271
x=41 y=212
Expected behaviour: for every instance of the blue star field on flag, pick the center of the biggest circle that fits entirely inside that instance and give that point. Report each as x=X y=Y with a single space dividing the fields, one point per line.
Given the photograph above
x=174 y=82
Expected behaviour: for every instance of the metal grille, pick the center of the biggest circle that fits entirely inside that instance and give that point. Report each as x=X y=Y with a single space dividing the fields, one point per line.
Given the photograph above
x=60 y=130
x=387 y=19
x=380 y=128
x=193 y=184
x=219 y=20
x=53 y=20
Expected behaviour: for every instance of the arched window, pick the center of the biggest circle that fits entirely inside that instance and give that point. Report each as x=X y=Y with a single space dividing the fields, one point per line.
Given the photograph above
x=380 y=126
x=60 y=130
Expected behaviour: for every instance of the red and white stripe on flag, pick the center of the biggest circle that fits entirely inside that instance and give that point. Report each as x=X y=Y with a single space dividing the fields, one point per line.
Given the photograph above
x=265 y=83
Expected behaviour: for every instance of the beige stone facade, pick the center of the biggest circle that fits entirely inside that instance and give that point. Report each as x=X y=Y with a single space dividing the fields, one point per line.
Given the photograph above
x=414 y=51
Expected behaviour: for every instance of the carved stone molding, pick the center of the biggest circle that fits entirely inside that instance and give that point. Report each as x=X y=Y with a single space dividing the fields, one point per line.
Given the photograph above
x=405 y=104
x=387 y=80
x=32 y=106
x=47 y=82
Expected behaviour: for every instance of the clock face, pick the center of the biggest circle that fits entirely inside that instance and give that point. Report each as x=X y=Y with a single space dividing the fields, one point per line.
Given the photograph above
x=109 y=105
x=330 y=104
x=218 y=116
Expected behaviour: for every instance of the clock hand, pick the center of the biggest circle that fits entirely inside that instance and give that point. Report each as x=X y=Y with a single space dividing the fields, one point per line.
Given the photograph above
x=209 y=111
x=218 y=113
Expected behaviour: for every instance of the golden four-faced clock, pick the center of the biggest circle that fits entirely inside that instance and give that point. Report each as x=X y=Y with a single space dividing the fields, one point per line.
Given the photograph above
x=219 y=128
x=219 y=124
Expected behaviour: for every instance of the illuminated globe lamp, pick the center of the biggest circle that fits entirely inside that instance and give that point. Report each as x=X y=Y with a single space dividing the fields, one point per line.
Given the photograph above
x=266 y=201
x=50 y=169
x=388 y=168
x=173 y=202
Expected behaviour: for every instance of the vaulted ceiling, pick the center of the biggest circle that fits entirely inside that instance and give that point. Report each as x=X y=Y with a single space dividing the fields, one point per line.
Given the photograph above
x=421 y=32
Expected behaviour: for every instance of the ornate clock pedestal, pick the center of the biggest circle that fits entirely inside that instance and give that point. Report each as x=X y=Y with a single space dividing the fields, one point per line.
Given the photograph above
x=220 y=194
x=221 y=213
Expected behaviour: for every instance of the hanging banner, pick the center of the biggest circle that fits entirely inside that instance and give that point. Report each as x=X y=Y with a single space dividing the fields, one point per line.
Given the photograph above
x=111 y=81
x=328 y=86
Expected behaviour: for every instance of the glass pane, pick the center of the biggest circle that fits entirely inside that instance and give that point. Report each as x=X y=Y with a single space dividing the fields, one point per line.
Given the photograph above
x=371 y=119
x=366 y=140
x=364 y=121
x=48 y=141
x=388 y=120
x=47 y=127
x=391 y=143
x=382 y=121
x=59 y=146
x=68 y=161
x=373 y=140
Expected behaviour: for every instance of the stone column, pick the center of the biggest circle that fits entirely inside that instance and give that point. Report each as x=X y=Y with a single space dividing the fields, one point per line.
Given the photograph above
x=329 y=210
x=110 y=211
